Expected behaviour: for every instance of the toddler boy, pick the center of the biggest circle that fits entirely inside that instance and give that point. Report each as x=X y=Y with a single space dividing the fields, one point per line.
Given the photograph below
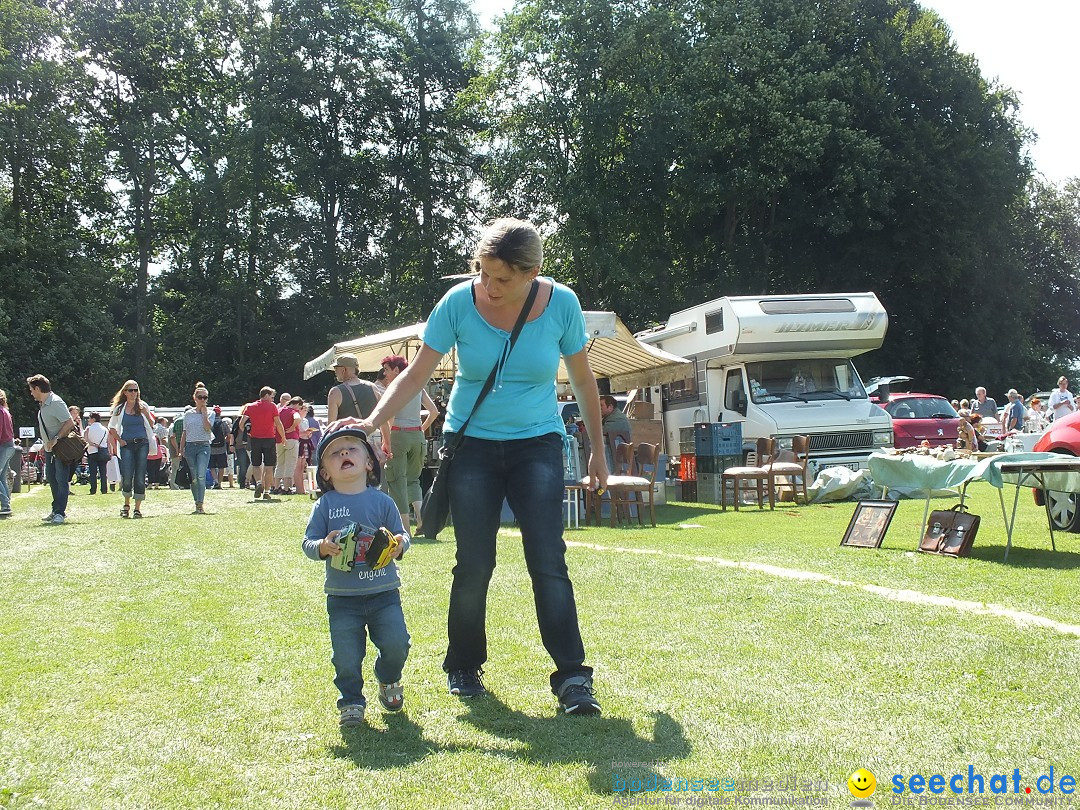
x=361 y=599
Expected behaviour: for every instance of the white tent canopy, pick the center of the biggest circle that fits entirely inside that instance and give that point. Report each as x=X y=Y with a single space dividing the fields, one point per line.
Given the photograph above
x=614 y=353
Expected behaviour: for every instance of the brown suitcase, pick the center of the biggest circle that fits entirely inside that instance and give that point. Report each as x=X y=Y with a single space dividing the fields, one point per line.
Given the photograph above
x=950 y=531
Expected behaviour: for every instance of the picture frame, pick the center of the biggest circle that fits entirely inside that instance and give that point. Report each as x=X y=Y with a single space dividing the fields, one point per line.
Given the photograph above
x=869 y=522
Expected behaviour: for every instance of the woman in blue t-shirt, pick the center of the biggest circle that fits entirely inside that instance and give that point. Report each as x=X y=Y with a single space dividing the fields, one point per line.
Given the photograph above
x=512 y=447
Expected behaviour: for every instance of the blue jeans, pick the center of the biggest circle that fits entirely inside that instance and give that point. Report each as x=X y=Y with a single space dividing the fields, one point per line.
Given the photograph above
x=529 y=473
x=58 y=474
x=6 y=452
x=198 y=459
x=97 y=471
x=380 y=616
x=133 y=468
x=243 y=461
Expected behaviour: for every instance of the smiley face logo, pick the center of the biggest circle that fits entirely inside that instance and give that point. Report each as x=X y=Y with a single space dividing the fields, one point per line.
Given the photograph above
x=862 y=783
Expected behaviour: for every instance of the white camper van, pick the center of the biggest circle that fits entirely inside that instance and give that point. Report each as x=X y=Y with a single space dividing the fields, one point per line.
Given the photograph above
x=780 y=365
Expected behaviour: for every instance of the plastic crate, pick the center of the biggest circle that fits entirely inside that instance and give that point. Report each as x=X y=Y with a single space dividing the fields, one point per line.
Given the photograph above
x=711 y=490
x=686 y=434
x=689 y=491
x=717 y=464
x=717 y=439
x=708 y=487
x=688 y=468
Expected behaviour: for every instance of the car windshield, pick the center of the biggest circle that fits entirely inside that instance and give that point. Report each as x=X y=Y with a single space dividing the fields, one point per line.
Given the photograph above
x=804 y=380
x=902 y=407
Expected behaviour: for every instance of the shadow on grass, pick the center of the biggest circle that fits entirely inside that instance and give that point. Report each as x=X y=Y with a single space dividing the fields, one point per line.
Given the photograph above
x=595 y=740
x=401 y=743
x=1024 y=557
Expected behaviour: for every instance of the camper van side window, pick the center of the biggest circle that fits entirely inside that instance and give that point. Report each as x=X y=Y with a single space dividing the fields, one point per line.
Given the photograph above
x=684 y=390
x=714 y=322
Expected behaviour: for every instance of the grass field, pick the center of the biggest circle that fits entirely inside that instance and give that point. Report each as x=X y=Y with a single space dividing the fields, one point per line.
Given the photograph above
x=183 y=661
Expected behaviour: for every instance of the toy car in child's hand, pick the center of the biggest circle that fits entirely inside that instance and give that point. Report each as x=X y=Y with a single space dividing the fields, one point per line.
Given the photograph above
x=382 y=548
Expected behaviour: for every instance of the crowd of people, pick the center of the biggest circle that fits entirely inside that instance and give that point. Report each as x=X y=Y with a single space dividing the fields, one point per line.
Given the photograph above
x=1016 y=417
x=129 y=448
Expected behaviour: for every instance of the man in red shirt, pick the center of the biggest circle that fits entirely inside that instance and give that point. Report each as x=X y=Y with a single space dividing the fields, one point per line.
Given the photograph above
x=266 y=433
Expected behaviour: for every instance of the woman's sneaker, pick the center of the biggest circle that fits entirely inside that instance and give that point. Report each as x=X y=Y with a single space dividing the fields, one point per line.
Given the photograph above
x=392 y=696
x=466 y=682
x=352 y=716
x=576 y=697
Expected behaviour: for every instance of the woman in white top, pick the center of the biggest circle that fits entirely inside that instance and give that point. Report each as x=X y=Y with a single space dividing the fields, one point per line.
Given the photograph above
x=132 y=439
x=1061 y=401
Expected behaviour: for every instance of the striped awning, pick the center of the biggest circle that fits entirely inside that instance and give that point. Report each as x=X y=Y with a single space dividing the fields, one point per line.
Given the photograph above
x=614 y=354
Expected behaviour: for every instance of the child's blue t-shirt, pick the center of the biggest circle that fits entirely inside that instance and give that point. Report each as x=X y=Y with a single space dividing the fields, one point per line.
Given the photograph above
x=523 y=403
x=336 y=511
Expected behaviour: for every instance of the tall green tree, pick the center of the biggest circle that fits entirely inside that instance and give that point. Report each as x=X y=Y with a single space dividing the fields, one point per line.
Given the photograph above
x=56 y=295
x=432 y=167
x=689 y=150
x=136 y=51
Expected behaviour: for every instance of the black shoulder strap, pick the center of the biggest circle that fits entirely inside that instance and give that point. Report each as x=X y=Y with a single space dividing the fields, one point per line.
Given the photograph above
x=459 y=437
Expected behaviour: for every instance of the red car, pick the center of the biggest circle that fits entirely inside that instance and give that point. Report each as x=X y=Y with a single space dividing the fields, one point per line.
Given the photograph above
x=1063 y=436
x=917 y=417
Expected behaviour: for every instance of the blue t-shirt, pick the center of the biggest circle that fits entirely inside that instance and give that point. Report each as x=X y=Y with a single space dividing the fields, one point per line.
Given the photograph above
x=336 y=511
x=523 y=403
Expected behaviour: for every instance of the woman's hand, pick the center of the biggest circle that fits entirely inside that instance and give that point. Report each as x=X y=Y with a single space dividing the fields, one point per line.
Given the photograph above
x=598 y=471
x=328 y=546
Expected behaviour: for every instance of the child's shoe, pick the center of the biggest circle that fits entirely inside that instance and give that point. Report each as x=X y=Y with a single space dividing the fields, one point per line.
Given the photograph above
x=392 y=696
x=352 y=716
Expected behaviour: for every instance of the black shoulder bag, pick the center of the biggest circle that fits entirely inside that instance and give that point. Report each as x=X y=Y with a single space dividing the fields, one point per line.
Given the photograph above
x=435 y=510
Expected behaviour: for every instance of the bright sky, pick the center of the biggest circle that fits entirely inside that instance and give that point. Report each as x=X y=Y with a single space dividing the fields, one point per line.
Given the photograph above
x=1029 y=46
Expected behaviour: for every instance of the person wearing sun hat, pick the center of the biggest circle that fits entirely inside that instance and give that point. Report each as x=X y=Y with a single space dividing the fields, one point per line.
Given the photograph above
x=351 y=397
x=362 y=598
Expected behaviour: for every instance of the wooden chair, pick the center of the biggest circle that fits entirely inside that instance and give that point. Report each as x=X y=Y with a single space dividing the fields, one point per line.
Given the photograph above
x=759 y=474
x=789 y=471
x=629 y=482
x=624 y=484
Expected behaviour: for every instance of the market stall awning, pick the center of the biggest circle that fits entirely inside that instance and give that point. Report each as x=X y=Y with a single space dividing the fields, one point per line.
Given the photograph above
x=614 y=354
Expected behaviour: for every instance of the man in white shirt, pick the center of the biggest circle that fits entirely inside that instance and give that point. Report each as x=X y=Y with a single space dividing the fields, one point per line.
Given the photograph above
x=1061 y=400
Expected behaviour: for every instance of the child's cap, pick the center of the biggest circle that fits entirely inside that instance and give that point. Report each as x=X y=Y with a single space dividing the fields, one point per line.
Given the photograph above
x=336 y=433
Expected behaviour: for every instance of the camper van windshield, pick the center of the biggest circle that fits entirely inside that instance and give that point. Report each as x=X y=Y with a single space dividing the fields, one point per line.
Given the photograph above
x=803 y=380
